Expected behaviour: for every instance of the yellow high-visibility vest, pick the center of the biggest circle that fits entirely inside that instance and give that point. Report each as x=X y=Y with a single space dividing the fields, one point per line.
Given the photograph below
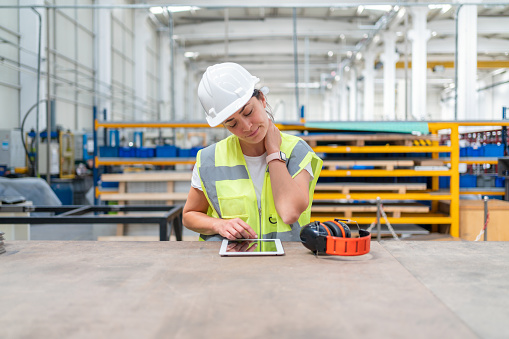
x=228 y=187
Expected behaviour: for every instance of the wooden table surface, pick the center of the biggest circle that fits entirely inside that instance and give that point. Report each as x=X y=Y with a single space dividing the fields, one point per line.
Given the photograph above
x=52 y=289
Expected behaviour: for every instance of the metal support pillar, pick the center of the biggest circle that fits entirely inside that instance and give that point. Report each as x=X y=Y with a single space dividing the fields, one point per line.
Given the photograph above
x=466 y=85
x=352 y=112
x=389 y=58
x=369 y=85
x=419 y=36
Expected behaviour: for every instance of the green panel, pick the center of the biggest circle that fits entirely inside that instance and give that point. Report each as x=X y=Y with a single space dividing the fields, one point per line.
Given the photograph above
x=373 y=126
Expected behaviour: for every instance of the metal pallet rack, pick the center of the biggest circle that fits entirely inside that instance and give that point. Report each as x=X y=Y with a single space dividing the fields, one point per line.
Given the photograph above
x=99 y=161
x=434 y=217
x=434 y=194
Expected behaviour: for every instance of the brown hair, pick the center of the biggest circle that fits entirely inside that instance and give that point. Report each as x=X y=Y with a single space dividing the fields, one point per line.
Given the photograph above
x=258 y=94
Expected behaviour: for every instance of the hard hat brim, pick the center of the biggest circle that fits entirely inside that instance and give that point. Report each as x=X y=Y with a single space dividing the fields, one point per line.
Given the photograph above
x=232 y=108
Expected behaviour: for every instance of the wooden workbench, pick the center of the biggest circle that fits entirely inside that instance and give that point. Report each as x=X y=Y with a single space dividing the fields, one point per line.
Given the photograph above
x=186 y=290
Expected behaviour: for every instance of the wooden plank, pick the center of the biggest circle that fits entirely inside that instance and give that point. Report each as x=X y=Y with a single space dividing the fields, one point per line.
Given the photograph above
x=144 y=196
x=387 y=164
x=368 y=137
x=346 y=188
x=396 y=210
x=430 y=162
x=147 y=177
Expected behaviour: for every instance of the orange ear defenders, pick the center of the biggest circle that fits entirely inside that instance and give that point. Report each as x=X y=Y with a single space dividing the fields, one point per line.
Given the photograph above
x=334 y=237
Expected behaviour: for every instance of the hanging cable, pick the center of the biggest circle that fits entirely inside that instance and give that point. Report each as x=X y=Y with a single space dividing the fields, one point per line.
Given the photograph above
x=22 y=131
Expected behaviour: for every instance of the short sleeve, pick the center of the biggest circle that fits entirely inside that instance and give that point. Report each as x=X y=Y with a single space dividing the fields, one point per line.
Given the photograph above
x=195 y=180
x=310 y=170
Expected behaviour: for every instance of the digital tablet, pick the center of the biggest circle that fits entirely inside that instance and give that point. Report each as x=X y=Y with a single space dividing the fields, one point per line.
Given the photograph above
x=243 y=247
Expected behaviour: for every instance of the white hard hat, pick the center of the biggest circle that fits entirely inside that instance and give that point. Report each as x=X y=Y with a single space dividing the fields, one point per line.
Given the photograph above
x=224 y=89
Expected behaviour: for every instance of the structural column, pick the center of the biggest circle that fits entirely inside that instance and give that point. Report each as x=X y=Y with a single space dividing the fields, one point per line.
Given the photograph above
x=343 y=95
x=141 y=36
x=102 y=57
x=389 y=59
x=401 y=99
x=352 y=112
x=369 y=85
x=419 y=36
x=29 y=33
x=180 y=83
x=467 y=63
x=164 y=73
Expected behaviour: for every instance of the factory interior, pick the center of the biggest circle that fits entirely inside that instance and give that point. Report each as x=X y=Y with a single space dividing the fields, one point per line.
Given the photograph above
x=126 y=143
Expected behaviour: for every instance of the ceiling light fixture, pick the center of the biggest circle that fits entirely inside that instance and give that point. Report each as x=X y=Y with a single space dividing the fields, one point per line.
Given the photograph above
x=156 y=10
x=443 y=8
x=384 y=8
x=175 y=9
x=191 y=54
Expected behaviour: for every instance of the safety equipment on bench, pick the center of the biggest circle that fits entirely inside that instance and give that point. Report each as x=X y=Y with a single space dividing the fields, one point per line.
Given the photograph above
x=224 y=89
x=334 y=237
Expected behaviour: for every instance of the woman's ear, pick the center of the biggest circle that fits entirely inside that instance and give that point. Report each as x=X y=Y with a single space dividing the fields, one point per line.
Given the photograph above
x=264 y=101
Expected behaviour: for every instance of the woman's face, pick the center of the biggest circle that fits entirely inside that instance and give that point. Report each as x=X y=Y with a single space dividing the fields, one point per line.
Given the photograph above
x=249 y=123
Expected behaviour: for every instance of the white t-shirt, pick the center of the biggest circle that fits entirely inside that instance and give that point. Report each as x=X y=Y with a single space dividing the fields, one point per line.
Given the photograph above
x=256 y=167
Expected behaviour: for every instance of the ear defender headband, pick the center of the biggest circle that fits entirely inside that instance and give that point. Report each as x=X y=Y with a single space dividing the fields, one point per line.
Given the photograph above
x=334 y=237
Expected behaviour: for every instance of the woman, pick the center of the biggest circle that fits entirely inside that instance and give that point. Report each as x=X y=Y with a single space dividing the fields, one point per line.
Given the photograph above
x=256 y=183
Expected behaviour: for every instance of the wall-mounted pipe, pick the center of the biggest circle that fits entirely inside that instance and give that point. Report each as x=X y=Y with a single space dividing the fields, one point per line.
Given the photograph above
x=296 y=62
x=37 y=134
x=48 y=103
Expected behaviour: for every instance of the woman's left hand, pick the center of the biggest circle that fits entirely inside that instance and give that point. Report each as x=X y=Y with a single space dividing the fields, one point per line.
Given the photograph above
x=272 y=139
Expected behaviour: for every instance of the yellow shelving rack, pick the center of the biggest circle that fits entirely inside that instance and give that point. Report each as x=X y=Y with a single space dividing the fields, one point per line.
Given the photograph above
x=110 y=161
x=433 y=195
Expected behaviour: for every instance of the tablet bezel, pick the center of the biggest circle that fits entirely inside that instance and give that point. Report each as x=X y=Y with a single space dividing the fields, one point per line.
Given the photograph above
x=279 y=249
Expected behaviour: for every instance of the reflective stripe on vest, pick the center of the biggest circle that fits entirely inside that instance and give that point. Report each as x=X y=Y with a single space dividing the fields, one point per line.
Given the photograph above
x=211 y=174
x=223 y=173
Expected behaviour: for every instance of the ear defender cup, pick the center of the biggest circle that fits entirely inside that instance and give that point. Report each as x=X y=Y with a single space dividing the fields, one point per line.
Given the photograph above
x=334 y=237
x=348 y=233
x=338 y=229
x=310 y=233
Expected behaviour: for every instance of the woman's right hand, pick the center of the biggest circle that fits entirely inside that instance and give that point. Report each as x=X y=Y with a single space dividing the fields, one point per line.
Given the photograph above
x=237 y=228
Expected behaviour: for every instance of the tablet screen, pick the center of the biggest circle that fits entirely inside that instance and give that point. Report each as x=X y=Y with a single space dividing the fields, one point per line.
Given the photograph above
x=252 y=246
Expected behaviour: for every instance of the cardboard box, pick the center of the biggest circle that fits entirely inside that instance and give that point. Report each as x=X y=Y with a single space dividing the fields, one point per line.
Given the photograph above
x=472 y=219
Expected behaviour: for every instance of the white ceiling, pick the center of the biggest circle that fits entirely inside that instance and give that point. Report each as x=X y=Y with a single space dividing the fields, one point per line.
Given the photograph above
x=261 y=37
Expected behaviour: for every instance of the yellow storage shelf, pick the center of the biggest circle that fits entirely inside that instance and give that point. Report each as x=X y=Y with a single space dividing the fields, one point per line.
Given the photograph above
x=381 y=149
x=416 y=218
x=475 y=161
x=383 y=173
x=143 y=161
x=383 y=196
